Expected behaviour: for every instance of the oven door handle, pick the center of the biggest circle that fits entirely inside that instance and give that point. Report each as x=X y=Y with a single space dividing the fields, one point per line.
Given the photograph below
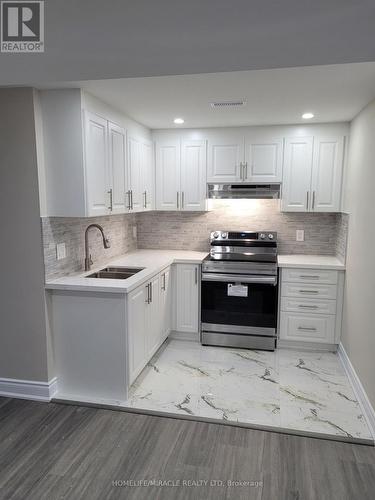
x=239 y=278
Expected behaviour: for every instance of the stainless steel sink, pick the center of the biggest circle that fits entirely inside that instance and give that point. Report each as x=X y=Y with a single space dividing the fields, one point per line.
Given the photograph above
x=116 y=273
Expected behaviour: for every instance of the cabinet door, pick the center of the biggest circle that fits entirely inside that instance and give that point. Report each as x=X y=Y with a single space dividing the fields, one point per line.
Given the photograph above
x=117 y=165
x=307 y=327
x=264 y=159
x=187 y=300
x=135 y=197
x=148 y=177
x=225 y=154
x=193 y=175
x=96 y=165
x=168 y=175
x=297 y=174
x=165 y=304
x=327 y=174
x=153 y=317
x=137 y=327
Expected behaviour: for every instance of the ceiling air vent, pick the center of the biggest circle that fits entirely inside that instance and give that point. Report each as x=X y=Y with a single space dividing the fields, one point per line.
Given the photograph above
x=234 y=103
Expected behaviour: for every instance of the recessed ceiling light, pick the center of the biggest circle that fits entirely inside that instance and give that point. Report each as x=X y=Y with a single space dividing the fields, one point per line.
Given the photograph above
x=179 y=121
x=307 y=116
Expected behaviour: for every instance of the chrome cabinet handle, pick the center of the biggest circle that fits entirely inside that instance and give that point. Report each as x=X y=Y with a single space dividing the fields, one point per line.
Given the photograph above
x=307 y=200
x=313 y=200
x=242 y=171
x=305 y=328
x=129 y=203
x=178 y=200
x=302 y=306
x=163 y=284
x=245 y=171
x=148 y=294
x=150 y=285
x=196 y=276
x=309 y=276
x=110 y=192
x=308 y=291
x=145 y=199
x=131 y=197
x=182 y=199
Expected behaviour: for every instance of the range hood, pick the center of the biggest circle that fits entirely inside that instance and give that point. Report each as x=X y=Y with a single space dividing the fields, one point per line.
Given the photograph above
x=243 y=191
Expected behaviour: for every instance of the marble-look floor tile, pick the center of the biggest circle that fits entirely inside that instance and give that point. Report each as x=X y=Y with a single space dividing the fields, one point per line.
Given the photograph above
x=304 y=391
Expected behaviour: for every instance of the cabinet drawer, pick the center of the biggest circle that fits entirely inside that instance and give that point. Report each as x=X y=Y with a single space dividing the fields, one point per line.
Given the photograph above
x=308 y=306
x=308 y=291
x=307 y=327
x=319 y=276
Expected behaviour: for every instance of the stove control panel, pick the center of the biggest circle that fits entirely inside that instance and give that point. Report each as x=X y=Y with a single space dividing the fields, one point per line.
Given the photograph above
x=243 y=235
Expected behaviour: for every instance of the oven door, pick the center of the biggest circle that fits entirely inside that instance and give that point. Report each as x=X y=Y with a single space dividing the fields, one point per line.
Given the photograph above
x=239 y=303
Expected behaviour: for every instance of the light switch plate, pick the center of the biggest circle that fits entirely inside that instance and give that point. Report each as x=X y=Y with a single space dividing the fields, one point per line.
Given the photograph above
x=300 y=235
x=60 y=251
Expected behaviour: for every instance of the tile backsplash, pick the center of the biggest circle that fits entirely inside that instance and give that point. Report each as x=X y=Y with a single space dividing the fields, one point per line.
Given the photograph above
x=190 y=230
x=71 y=231
x=342 y=235
x=325 y=233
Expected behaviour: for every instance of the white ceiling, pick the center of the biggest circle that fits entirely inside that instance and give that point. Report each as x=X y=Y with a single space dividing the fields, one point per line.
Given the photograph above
x=275 y=96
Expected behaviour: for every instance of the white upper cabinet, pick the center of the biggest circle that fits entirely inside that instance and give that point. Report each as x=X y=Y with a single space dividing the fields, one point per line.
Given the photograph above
x=193 y=175
x=134 y=185
x=327 y=174
x=312 y=175
x=147 y=174
x=297 y=174
x=90 y=167
x=225 y=157
x=239 y=157
x=98 y=179
x=180 y=174
x=168 y=174
x=117 y=167
x=263 y=160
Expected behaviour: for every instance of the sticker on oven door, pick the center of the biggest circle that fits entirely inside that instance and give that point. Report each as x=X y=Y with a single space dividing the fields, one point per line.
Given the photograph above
x=237 y=290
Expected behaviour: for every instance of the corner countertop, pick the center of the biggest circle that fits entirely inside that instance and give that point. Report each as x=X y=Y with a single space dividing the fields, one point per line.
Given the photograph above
x=311 y=262
x=153 y=261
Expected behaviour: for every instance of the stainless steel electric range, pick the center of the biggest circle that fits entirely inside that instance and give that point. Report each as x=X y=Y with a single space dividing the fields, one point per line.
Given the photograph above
x=239 y=291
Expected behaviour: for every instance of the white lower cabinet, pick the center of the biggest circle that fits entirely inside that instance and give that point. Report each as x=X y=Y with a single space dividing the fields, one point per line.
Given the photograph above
x=136 y=326
x=309 y=327
x=311 y=305
x=165 y=303
x=148 y=321
x=187 y=298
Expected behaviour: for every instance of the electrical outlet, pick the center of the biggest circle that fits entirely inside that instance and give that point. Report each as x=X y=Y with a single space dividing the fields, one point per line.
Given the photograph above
x=134 y=232
x=300 y=235
x=60 y=251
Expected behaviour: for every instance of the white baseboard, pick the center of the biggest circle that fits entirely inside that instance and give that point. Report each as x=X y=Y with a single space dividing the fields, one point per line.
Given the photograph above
x=184 y=336
x=28 y=389
x=359 y=391
x=306 y=346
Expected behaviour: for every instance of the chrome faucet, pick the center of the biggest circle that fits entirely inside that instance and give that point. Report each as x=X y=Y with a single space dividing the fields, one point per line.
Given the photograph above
x=106 y=244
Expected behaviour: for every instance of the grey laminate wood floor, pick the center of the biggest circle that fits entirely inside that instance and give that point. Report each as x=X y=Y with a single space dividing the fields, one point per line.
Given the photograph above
x=52 y=451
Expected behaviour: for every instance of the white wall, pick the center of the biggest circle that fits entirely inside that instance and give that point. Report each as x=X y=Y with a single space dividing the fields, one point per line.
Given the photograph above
x=358 y=334
x=23 y=345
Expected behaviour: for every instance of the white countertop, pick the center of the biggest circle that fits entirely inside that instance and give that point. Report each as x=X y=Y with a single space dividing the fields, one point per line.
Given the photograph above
x=153 y=262
x=311 y=262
